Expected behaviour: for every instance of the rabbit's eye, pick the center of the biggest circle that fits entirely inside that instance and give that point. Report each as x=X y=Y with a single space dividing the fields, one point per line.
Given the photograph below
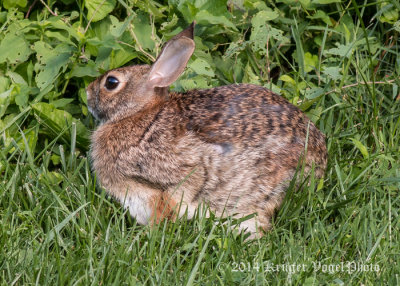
x=111 y=83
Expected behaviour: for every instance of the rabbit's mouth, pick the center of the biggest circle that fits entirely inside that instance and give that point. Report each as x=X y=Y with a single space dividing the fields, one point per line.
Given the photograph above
x=92 y=105
x=99 y=116
x=94 y=113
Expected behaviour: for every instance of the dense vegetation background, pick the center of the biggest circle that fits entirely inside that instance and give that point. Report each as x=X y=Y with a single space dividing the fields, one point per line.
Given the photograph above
x=338 y=60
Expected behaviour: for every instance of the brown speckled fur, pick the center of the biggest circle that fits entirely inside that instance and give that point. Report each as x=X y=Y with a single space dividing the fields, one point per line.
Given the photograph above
x=233 y=147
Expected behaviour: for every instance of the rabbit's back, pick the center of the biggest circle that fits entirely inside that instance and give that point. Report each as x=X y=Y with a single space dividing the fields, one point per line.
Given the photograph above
x=245 y=114
x=257 y=139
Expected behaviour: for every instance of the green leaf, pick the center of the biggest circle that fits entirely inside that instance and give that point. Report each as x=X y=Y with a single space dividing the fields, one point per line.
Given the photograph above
x=325 y=1
x=389 y=13
x=361 y=147
x=22 y=97
x=58 y=24
x=201 y=67
x=311 y=93
x=323 y=16
x=50 y=62
x=332 y=72
x=16 y=78
x=90 y=69
x=166 y=27
x=121 y=57
x=60 y=121
x=62 y=102
x=264 y=16
x=5 y=99
x=308 y=103
x=59 y=36
x=262 y=32
x=287 y=79
x=4 y=84
x=205 y=18
x=310 y=61
x=342 y=50
x=14 y=3
x=250 y=76
x=143 y=31
x=118 y=28
x=396 y=26
x=192 y=83
x=99 y=9
x=14 y=48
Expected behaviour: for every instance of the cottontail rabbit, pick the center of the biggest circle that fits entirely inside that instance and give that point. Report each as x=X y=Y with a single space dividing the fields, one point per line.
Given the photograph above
x=233 y=147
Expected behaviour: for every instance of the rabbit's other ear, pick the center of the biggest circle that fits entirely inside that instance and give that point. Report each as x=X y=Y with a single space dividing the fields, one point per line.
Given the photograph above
x=172 y=60
x=188 y=32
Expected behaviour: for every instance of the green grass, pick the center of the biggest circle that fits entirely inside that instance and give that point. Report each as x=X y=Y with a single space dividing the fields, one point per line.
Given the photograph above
x=58 y=227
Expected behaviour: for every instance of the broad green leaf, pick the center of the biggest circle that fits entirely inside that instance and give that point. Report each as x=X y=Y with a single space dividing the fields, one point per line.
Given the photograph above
x=55 y=159
x=264 y=16
x=143 y=31
x=14 y=3
x=118 y=28
x=54 y=178
x=306 y=3
x=59 y=36
x=332 y=72
x=196 y=82
x=59 y=121
x=3 y=17
x=319 y=14
x=108 y=42
x=5 y=99
x=58 y=24
x=305 y=105
x=50 y=62
x=16 y=78
x=22 y=95
x=151 y=7
x=121 y=57
x=90 y=69
x=311 y=93
x=315 y=114
x=341 y=50
x=262 y=31
x=14 y=48
x=216 y=7
x=205 y=18
x=62 y=102
x=310 y=61
x=168 y=26
x=4 y=84
x=31 y=140
x=201 y=67
x=250 y=76
x=99 y=9
x=287 y=79
x=188 y=10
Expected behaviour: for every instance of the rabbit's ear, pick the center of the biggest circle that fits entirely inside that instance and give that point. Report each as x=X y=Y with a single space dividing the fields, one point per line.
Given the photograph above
x=172 y=60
